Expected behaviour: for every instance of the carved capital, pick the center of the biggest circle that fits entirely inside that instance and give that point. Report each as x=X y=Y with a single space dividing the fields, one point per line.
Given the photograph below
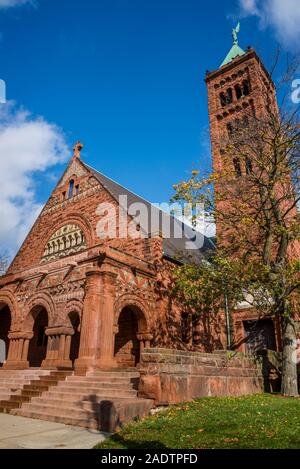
x=20 y=335
x=144 y=336
x=60 y=330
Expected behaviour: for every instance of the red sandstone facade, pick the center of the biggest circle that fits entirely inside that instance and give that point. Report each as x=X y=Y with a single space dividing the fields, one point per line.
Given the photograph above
x=72 y=299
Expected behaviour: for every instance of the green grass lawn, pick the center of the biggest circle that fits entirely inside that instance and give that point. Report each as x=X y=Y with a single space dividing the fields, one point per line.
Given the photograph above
x=260 y=421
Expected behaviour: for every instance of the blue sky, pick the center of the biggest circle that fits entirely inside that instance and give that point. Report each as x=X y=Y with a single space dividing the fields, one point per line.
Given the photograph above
x=126 y=77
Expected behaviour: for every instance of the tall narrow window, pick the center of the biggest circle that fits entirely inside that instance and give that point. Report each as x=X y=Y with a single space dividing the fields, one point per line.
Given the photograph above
x=77 y=190
x=248 y=166
x=238 y=91
x=229 y=96
x=229 y=128
x=246 y=88
x=71 y=188
x=237 y=166
x=222 y=99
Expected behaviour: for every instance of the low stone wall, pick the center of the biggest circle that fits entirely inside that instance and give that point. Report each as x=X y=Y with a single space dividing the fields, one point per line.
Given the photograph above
x=173 y=376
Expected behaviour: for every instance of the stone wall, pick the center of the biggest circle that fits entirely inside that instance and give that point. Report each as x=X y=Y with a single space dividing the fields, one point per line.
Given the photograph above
x=172 y=376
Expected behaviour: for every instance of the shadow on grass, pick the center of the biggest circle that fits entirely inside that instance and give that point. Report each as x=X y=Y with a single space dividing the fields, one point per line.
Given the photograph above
x=118 y=440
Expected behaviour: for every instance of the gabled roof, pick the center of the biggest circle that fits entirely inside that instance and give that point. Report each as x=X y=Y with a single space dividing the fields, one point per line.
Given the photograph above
x=179 y=239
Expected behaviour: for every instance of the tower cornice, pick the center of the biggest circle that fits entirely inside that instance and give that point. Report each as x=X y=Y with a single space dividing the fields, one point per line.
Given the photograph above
x=251 y=53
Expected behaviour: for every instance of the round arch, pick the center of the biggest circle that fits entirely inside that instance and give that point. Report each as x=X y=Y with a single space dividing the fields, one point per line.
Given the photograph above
x=131 y=328
x=8 y=299
x=39 y=300
x=38 y=343
x=73 y=315
x=5 y=327
x=138 y=306
x=75 y=219
x=73 y=306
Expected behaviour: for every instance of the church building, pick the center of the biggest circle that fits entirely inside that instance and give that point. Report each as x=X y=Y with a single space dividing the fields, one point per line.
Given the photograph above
x=82 y=304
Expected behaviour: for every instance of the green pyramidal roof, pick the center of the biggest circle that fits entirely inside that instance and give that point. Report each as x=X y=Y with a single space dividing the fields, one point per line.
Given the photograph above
x=235 y=51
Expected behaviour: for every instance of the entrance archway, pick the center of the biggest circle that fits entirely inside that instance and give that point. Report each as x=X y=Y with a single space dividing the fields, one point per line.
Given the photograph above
x=127 y=346
x=38 y=344
x=75 y=341
x=5 y=323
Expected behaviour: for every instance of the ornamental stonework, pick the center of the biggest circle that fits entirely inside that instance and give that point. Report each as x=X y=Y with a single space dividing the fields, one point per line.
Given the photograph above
x=68 y=240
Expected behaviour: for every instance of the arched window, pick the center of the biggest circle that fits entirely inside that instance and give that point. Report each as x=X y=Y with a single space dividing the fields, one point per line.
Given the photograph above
x=245 y=122
x=229 y=96
x=71 y=188
x=246 y=88
x=226 y=98
x=243 y=89
x=230 y=128
x=248 y=166
x=69 y=239
x=237 y=166
x=222 y=99
x=238 y=91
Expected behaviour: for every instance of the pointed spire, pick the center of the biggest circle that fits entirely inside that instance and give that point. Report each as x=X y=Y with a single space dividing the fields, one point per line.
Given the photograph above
x=236 y=50
x=77 y=149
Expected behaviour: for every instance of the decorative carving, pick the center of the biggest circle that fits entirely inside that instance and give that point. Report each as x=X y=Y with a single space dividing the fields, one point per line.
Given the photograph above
x=66 y=241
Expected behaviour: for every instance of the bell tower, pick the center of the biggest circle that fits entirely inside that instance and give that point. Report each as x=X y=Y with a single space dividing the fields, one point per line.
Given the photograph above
x=240 y=89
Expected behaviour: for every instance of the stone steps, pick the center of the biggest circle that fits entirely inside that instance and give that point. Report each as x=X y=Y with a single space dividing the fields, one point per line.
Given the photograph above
x=104 y=379
x=92 y=385
x=113 y=373
x=100 y=400
x=66 y=419
x=73 y=394
x=30 y=388
x=107 y=416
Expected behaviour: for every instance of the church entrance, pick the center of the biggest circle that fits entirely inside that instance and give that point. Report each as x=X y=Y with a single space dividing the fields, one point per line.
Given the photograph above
x=75 y=341
x=5 y=323
x=38 y=344
x=127 y=346
x=260 y=335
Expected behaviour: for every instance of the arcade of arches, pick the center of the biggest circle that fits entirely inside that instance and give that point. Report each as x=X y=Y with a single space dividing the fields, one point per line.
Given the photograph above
x=45 y=345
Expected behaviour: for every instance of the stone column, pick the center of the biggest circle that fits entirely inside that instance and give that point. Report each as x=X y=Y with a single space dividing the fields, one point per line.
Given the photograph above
x=56 y=349
x=144 y=338
x=90 y=323
x=17 y=358
x=67 y=347
x=105 y=352
x=20 y=348
x=25 y=349
x=62 y=342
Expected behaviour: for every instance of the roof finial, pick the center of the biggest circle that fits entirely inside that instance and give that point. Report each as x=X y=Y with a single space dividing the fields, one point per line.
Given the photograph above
x=77 y=149
x=235 y=32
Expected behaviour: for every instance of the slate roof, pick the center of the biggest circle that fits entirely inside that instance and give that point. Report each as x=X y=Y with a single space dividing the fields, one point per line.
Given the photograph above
x=179 y=239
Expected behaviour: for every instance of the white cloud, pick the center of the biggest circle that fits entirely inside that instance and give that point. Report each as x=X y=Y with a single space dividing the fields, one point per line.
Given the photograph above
x=13 y=3
x=28 y=147
x=282 y=15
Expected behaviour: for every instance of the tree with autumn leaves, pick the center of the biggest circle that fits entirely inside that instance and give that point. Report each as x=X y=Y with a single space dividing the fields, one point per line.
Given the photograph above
x=253 y=199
